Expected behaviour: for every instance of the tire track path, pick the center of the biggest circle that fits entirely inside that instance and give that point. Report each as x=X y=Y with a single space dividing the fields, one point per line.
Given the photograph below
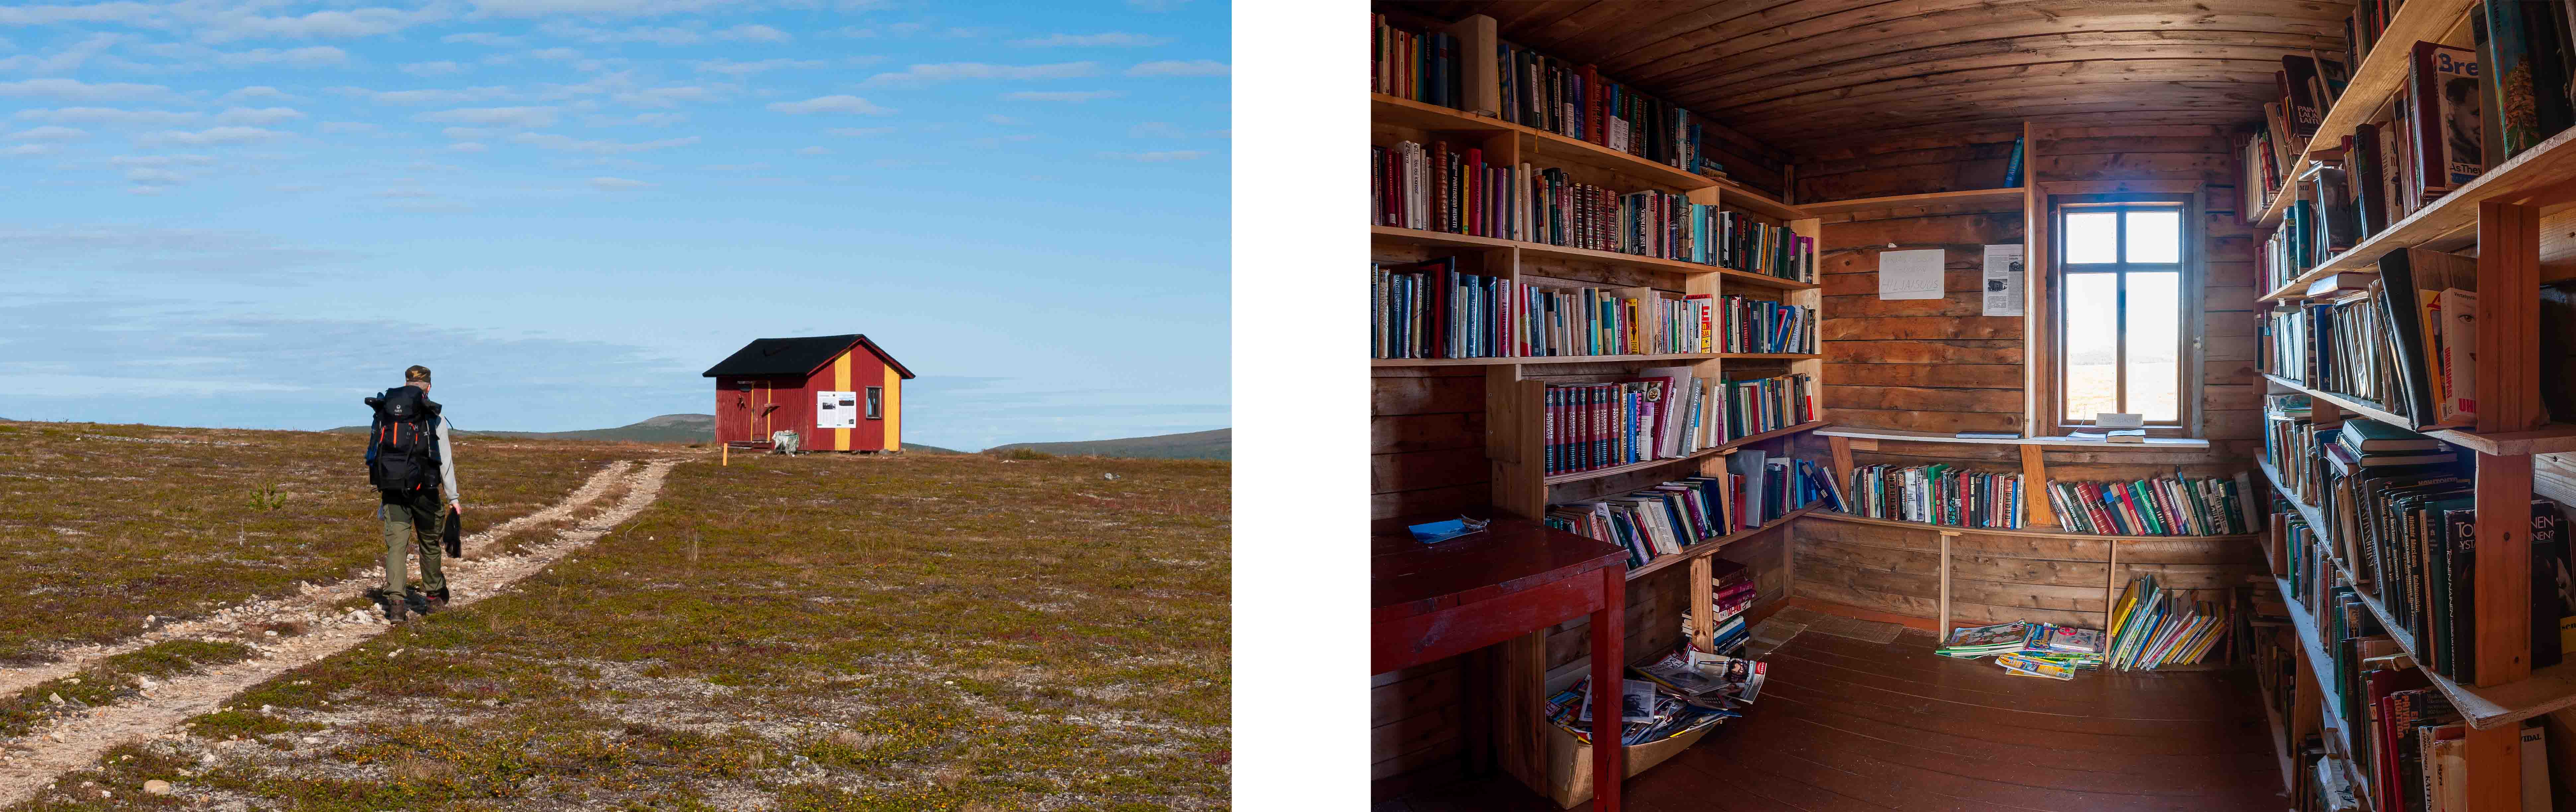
x=32 y=762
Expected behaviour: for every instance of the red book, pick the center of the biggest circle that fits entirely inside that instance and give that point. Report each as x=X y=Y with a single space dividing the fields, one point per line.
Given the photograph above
x=1475 y=185
x=1592 y=108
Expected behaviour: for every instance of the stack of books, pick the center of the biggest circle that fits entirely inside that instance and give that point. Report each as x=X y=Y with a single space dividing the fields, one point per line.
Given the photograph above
x=1448 y=189
x=1597 y=321
x=1560 y=210
x=1768 y=404
x=1672 y=516
x=2402 y=512
x=1756 y=325
x=1576 y=101
x=2029 y=649
x=1938 y=494
x=2153 y=627
x=2175 y=506
x=1648 y=712
x=2403 y=341
x=2290 y=441
x=1735 y=595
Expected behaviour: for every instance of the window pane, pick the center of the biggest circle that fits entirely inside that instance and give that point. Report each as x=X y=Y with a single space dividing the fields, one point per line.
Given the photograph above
x=2092 y=360
x=2092 y=237
x=2155 y=345
x=2155 y=236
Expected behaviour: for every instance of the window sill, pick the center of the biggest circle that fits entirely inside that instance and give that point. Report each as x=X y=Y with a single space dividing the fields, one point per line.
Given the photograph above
x=2152 y=443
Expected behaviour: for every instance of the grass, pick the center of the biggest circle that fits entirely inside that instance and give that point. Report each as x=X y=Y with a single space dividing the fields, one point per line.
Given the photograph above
x=111 y=679
x=818 y=633
x=102 y=525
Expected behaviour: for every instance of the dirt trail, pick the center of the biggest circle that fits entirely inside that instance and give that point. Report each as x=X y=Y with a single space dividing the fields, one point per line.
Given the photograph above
x=311 y=600
x=29 y=763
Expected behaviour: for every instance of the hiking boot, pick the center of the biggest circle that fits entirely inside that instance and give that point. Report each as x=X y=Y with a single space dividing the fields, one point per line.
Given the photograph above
x=394 y=612
x=417 y=602
x=437 y=601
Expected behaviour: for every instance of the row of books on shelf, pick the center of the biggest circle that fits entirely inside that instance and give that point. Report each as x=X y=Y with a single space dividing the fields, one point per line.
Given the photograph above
x=1552 y=95
x=2154 y=626
x=1455 y=190
x=2460 y=111
x=1421 y=66
x=1939 y=493
x=1664 y=413
x=2406 y=736
x=1433 y=309
x=2405 y=339
x=2164 y=506
x=1676 y=515
x=2406 y=532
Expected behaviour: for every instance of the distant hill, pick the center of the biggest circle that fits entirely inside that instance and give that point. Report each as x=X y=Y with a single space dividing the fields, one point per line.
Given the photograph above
x=1217 y=444
x=669 y=428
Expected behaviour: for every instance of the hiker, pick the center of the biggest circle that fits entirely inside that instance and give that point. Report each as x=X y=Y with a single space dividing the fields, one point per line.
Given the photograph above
x=411 y=466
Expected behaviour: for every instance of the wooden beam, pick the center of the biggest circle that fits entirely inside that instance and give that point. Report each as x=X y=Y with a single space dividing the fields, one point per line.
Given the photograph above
x=1944 y=619
x=1703 y=597
x=2494 y=758
x=2508 y=341
x=2034 y=487
x=2503 y=588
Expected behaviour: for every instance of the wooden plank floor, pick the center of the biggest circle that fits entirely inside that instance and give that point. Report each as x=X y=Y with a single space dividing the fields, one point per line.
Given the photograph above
x=1848 y=725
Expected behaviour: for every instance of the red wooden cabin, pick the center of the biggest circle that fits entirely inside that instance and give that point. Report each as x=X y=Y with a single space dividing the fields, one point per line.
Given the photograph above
x=838 y=393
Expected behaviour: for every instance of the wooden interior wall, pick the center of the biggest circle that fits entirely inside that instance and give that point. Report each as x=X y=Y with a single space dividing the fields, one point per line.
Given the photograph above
x=1427 y=441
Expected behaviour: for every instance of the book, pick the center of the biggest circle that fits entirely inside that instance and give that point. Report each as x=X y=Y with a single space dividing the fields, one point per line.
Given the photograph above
x=2525 y=77
x=2012 y=166
x=1938 y=493
x=2442 y=82
x=2174 y=506
x=2125 y=436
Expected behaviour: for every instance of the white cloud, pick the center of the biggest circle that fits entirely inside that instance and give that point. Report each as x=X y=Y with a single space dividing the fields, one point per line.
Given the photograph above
x=438 y=68
x=1156 y=129
x=739 y=69
x=640 y=120
x=160 y=160
x=363 y=22
x=467 y=146
x=466 y=133
x=406 y=193
x=426 y=166
x=662 y=35
x=814 y=151
x=553 y=141
x=79 y=91
x=27 y=150
x=1059 y=95
x=258 y=93
x=245 y=115
x=148 y=176
x=1003 y=120
x=859 y=131
x=49 y=133
x=1174 y=155
x=750 y=167
x=1195 y=67
x=481 y=38
x=349 y=127
x=829 y=104
x=754 y=33
x=556 y=54
x=1111 y=39
x=317 y=56
x=616 y=184
x=667 y=96
x=110 y=116
x=428 y=96
x=215 y=135
x=593 y=8
x=945 y=71
x=66 y=60
x=492 y=116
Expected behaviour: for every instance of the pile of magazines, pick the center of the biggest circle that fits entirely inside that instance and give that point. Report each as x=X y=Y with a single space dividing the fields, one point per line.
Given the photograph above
x=1685 y=691
x=2030 y=649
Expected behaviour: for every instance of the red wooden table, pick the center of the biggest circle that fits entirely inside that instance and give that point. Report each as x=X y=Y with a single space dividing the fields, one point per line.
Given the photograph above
x=1431 y=601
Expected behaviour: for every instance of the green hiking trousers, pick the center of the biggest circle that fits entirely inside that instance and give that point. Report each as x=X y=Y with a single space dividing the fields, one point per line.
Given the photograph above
x=421 y=516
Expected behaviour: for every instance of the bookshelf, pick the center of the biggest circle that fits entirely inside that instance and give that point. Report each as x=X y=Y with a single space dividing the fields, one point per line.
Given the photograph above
x=2496 y=217
x=1514 y=389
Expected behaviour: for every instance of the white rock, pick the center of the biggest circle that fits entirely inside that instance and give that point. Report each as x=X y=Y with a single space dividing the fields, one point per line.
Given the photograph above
x=207 y=759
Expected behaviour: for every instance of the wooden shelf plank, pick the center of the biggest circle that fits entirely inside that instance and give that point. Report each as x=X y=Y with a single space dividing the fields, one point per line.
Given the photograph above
x=1722 y=448
x=1581 y=359
x=1408 y=236
x=2535 y=173
x=1732 y=195
x=1712 y=545
x=2547 y=689
x=2380 y=74
x=1998 y=197
x=2551 y=439
x=1389 y=109
x=2152 y=443
x=2040 y=532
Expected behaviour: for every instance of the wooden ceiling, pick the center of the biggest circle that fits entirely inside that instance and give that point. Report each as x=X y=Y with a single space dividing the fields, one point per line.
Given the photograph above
x=1804 y=74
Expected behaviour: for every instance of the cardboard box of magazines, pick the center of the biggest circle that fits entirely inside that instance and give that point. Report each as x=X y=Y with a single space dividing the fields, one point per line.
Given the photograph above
x=1569 y=762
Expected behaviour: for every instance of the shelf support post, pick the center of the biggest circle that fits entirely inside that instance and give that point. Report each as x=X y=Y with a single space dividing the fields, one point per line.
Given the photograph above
x=2503 y=575
x=1703 y=602
x=2508 y=326
x=2034 y=487
x=2494 y=761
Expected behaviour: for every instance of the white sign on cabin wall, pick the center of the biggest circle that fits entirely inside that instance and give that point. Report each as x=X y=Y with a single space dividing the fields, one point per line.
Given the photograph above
x=1909 y=274
x=2003 y=280
x=836 y=410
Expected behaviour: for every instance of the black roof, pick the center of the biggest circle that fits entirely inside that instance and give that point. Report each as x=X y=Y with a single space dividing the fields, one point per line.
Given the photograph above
x=795 y=356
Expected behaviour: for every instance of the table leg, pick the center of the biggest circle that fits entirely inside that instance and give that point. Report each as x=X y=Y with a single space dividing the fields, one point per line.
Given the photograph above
x=1608 y=763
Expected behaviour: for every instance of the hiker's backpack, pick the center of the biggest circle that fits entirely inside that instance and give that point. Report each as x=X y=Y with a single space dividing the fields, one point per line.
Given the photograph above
x=403 y=455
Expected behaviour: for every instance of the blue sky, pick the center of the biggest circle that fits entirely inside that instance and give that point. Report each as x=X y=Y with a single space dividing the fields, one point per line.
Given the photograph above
x=250 y=213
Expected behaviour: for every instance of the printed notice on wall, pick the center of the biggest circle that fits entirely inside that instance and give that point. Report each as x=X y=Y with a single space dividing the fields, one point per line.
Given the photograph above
x=1909 y=274
x=2003 y=289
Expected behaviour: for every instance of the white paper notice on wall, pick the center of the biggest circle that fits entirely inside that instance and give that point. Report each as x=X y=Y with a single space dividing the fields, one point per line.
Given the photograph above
x=1909 y=274
x=2003 y=289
